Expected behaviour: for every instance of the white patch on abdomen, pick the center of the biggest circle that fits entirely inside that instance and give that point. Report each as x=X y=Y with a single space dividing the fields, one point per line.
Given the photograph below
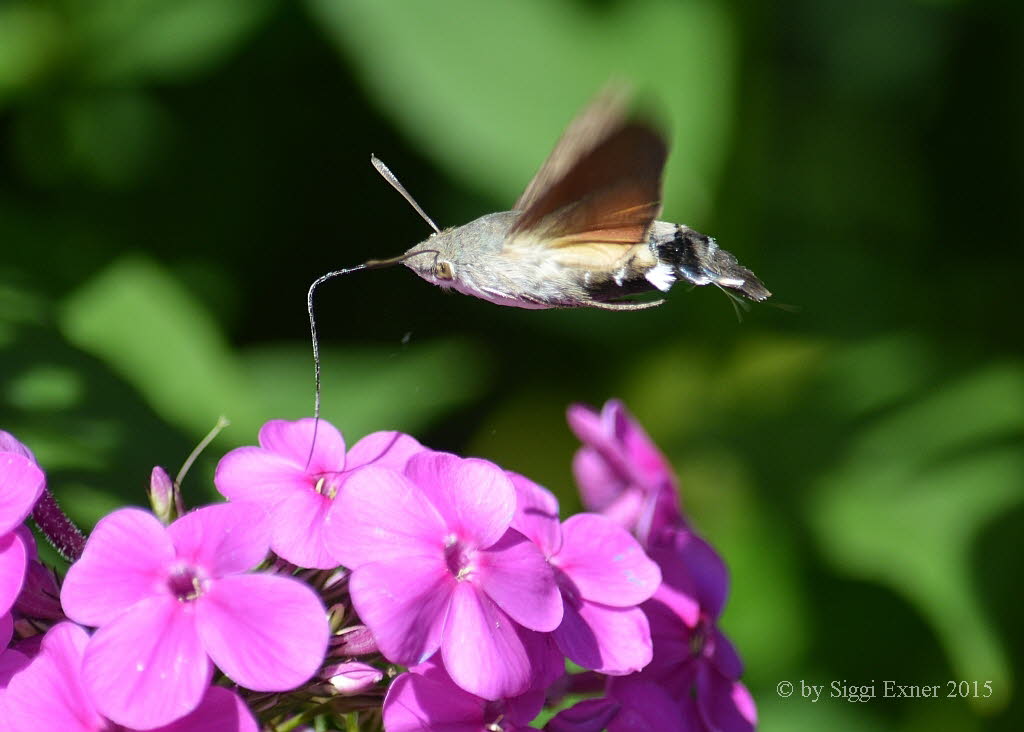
x=662 y=276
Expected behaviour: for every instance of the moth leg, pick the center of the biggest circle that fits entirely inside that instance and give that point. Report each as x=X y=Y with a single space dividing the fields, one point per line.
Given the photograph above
x=624 y=305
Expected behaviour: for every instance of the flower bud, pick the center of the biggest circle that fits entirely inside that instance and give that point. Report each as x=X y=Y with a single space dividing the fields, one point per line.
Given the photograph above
x=352 y=677
x=161 y=495
x=354 y=641
x=40 y=594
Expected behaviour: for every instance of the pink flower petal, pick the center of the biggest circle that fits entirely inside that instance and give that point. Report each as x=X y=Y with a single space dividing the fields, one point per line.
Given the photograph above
x=481 y=649
x=294 y=439
x=722 y=655
x=382 y=515
x=585 y=423
x=21 y=484
x=383 y=449
x=536 y=514
x=589 y=715
x=299 y=527
x=614 y=641
x=219 y=711
x=475 y=496
x=266 y=632
x=724 y=704
x=147 y=667
x=645 y=706
x=694 y=578
x=416 y=703
x=11 y=662
x=223 y=538
x=692 y=568
x=514 y=574
x=8 y=443
x=125 y=560
x=405 y=603
x=547 y=660
x=13 y=562
x=255 y=474
x=6 y=629
x=599 y=486
x=605 y=563
x=48 y=693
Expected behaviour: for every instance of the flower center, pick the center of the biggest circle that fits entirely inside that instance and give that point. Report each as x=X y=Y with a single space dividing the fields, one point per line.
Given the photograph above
x=699 y=639
x=328 y=484
x=186 y=583
x=459 y=557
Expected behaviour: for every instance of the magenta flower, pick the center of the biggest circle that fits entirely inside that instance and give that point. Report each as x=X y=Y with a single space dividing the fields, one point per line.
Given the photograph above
x=167 y=600
x=48 y=694
x=620 y=471
x=427 y=699
x=301 y=496
x=693 y=660
x=700 y=667
x=435 y=566
x=602 y=573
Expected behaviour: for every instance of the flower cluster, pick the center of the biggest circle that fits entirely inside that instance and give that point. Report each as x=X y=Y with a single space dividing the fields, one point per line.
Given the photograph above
x=383 y=585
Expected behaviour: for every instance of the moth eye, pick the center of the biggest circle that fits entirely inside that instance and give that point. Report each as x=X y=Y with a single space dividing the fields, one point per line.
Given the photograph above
x=443 y=271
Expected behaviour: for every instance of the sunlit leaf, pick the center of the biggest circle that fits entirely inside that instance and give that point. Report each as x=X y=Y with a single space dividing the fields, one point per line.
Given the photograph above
x=29 y=41
x=486 y=89
x=913 y=493
x=165 y=39
x=148 y=329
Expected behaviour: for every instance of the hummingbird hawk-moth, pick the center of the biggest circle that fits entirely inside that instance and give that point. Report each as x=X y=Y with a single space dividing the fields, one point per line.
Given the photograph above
x=585 y=232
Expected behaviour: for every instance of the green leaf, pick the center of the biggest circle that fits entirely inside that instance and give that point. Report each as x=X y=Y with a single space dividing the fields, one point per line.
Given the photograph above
x=910 y=498
x=486 y=88
x=147 y=328
x=164 y=39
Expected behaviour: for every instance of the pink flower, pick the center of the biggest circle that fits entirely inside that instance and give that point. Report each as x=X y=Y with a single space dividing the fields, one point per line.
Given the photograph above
x=602 y=573
x=167 y=600
x=301 y=496
x=435 y=566
x=620 y=471
x=693 y=660
x=427 y=699
x=48 y=694
x=700 y=667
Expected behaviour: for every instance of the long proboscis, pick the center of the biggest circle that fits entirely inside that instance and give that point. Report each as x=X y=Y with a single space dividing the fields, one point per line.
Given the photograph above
x=370 y=264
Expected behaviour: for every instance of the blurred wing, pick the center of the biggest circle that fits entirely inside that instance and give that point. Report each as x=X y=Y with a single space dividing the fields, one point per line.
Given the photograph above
x=596 y=196
x=605 y=114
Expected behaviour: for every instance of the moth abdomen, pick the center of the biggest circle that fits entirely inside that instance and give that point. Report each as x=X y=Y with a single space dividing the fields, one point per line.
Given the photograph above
x=698 y=259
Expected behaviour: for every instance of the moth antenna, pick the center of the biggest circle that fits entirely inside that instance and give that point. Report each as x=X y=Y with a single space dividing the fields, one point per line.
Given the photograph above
x=369 y=264
x=393 y=180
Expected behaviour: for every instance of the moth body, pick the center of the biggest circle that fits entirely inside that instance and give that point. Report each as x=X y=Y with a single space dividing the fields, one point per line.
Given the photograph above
x=473 y=259
x=585 y=232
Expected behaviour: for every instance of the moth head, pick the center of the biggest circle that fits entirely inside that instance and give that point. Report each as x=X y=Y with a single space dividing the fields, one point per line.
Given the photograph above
x=434 y=260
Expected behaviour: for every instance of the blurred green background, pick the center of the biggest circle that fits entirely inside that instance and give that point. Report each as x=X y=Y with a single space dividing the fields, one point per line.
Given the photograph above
x=174 y=174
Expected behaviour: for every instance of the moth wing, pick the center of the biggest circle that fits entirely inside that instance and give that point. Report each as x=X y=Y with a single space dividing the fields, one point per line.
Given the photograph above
x=604 y=114
x=595 y=207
